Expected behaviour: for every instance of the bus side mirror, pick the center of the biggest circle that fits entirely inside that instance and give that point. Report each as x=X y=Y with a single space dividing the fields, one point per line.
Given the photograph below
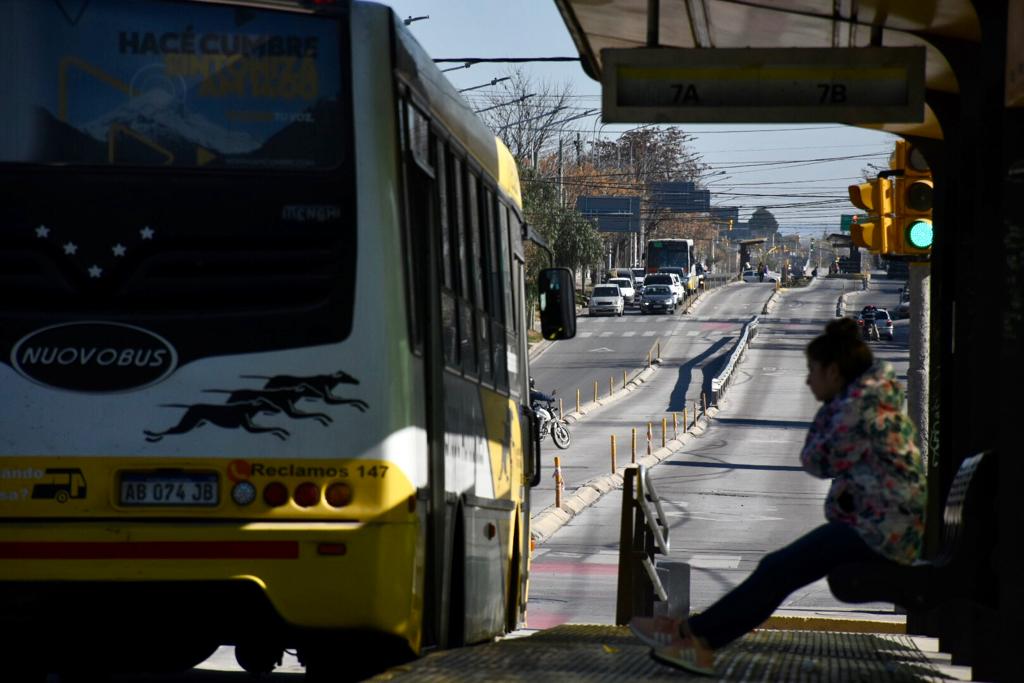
x=557 y=303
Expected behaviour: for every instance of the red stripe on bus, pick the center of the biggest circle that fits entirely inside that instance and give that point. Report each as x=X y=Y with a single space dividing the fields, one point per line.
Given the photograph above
x=155 y=550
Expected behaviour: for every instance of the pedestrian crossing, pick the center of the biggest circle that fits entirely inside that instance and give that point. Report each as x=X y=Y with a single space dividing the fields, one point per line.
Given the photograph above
x=659 y=333
x=691 y=326
x=629 y=321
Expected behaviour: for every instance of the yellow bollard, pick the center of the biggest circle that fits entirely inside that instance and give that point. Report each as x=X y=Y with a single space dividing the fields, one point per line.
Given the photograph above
x=675 y=425
x=577 y=401
x=623 y=379
x=595 y=391
x=659 y=348
x=685 y=421
x=649 y=436
x=664 y=429
x=611 y=386
x=561 y=410
x=559 y=484
x=613 y=454
x=648 y=359
x=632 y=450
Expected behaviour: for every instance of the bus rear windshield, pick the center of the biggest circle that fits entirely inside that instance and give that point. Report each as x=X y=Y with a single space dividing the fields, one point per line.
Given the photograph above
x=669 y=255
x=169 y=83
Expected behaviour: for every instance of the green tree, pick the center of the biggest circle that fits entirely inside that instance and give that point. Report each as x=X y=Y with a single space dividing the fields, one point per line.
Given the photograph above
x=573 y=239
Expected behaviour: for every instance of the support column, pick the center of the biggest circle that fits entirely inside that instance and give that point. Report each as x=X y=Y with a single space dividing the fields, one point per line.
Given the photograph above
x=919 y=329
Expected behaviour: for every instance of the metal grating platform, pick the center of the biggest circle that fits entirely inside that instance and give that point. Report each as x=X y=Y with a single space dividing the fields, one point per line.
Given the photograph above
x=609 y=653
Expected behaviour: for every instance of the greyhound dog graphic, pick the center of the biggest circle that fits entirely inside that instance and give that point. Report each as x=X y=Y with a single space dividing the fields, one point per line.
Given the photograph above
x=280 y=395
x=321 y=386
x=283 y=399
x=229 y=416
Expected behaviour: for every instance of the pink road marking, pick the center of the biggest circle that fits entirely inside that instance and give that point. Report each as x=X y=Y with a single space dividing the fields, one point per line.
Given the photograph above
x=536 y=619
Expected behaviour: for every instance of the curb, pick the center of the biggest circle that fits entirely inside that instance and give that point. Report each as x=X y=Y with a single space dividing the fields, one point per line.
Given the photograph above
x=534 y=351
x=772 y=302
x=551 y=519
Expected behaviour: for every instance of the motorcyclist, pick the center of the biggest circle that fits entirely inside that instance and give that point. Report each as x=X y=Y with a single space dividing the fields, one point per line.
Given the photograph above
x=867 y=321
x=539 y=396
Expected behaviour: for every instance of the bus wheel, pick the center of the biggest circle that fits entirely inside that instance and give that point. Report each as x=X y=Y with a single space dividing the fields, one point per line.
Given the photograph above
x=257 y=657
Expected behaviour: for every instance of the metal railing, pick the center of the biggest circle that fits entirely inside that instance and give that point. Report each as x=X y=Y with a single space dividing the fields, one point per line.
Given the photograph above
x=719 y=383
x=643 y=532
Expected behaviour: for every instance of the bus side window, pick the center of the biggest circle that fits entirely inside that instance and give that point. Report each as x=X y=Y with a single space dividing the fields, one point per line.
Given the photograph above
x=478 y=271
x=515 y=321
x=467 y=335
x=449 y=320
x=419 y=181
x=502 y=290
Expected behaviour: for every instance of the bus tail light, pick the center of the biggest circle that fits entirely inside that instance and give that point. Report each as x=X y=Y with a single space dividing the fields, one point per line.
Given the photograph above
x=339 y=494
x=307 y=494
x=275 y=494
x=336 y=549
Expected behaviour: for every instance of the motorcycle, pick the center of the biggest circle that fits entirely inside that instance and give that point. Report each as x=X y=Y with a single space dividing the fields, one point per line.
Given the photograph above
x=870 y=331
x=549 y=423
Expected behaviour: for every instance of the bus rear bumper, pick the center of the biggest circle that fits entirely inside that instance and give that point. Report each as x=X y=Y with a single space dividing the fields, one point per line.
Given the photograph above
x=225 y=581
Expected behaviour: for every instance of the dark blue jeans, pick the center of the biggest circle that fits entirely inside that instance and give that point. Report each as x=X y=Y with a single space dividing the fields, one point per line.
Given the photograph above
x=804 y=561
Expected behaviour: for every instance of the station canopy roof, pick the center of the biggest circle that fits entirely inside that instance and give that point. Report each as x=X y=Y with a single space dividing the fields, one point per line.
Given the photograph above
x=598 y=24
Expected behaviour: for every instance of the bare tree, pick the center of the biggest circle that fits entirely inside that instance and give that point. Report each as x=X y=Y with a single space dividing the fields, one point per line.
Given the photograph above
x=528 y=115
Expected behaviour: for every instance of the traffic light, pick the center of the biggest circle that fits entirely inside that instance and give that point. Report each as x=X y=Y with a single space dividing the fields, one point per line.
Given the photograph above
x=912 y=230
x=875 y=198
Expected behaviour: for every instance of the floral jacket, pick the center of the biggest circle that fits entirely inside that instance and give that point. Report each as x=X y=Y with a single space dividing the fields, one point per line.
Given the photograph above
x=863 y=441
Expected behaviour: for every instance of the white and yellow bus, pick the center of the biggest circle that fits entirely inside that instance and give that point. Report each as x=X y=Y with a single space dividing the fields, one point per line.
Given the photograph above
x=674 y=255
x=264 y=343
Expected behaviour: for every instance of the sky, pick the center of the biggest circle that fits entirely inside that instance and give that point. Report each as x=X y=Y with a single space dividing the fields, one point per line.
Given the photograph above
x=800 y=172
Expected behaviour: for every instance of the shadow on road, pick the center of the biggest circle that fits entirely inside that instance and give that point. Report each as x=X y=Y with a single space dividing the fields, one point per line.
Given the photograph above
x=707 y=362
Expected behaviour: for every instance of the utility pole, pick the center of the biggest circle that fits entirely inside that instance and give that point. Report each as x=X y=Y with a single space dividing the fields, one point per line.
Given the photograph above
x=561 y=192
x=919 y=282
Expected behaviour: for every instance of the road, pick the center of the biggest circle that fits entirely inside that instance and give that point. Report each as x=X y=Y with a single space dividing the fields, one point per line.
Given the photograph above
x=735 y=492
x=605 y=346
x=692 y=348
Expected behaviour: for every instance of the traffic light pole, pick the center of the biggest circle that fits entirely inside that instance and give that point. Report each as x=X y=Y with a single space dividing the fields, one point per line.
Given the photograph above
x=918 y=329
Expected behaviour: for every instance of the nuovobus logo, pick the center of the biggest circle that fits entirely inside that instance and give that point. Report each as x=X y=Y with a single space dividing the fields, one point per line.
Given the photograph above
x=94 y=357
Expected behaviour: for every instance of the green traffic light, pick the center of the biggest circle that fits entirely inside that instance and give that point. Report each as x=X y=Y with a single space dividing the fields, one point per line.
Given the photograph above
x=919 y=234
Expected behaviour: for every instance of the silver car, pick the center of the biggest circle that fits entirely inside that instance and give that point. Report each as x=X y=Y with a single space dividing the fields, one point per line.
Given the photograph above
x=607 y=299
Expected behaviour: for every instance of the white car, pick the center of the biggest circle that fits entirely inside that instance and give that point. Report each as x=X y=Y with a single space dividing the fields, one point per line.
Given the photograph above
x=607 y=299
x=671 y=280
x=626 y=287
x=751 y=276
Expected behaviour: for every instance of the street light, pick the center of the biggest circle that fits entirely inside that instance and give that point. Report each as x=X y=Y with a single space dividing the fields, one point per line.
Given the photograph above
x=409 y=19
